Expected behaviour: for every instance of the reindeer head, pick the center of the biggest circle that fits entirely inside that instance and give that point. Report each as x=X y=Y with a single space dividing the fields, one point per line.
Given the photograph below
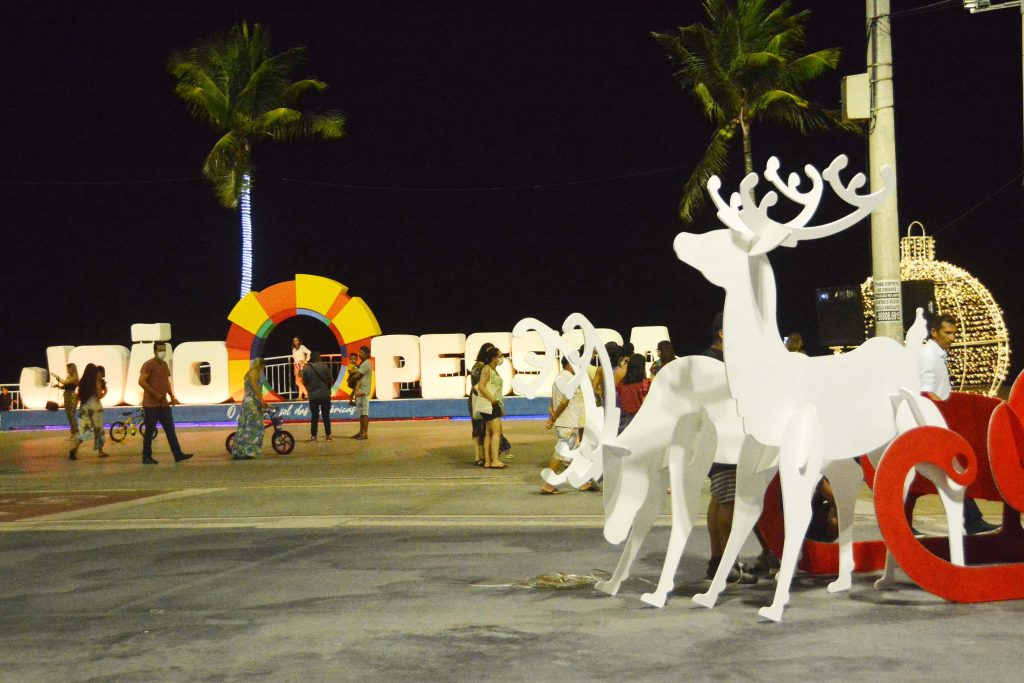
x=753 y=233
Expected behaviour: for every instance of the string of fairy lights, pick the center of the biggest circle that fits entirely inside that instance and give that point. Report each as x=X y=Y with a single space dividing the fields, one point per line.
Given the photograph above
x=979 y=360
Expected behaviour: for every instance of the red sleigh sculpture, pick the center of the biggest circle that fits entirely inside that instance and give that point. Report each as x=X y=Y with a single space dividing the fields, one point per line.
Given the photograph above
x=978 y=426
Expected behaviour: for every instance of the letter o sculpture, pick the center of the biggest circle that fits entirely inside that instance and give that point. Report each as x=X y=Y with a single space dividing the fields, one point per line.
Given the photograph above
x=256 y=315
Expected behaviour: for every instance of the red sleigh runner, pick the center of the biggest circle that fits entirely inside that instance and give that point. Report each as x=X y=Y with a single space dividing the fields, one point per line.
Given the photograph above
x=982 y=449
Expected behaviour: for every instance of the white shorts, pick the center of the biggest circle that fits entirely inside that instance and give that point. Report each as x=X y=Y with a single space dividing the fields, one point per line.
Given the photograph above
x=570 y=436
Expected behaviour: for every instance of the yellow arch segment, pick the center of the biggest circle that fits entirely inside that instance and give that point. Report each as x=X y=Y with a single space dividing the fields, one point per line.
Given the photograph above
x=236 y=377
x=316 y=293
x=248 y=313
x=356 y=320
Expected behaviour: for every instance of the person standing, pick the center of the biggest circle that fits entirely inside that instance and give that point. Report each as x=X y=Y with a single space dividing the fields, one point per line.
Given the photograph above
x=249 y=434
x=565 y=416
x=476 y=421
x=69 y=385
x=300 y=356
x=490 y=388
x=934 y=372
x=317 y=378
x=155 y=380
x=364 y=385
x=632 y=390
x=666 y=354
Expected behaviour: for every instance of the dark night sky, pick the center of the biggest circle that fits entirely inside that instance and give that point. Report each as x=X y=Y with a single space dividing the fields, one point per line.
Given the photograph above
x=567 y=107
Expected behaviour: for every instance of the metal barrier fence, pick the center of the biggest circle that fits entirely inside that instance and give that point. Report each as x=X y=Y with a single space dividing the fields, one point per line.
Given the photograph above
x=280 y=375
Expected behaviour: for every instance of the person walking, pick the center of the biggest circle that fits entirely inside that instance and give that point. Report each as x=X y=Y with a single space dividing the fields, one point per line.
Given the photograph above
x=364 y=385
x=69 y=385
x=91 y=390
x=317 y=378
x=249 y=435
x=490 y=388
x=565 y=416
x=155 y=380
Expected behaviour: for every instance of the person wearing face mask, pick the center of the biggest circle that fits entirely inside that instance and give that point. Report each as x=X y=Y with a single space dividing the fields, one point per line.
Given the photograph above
x=155 y=380
x=490 y=388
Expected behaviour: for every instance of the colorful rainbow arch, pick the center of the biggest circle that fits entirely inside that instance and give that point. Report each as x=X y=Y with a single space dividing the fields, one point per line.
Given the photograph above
x=256 y=315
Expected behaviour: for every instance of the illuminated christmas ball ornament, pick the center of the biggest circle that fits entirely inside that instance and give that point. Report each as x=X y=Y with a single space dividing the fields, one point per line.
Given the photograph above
x=980 y=358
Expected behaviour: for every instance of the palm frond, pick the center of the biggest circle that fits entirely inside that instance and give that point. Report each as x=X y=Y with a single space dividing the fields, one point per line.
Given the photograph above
x=711 y=163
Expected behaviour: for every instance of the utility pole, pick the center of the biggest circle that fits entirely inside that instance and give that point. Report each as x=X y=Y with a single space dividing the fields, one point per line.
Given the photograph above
x=885 y=231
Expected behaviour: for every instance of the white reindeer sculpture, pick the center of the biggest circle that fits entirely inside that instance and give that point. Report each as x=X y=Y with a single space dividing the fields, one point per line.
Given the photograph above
x=687 y=420
x=800 y=412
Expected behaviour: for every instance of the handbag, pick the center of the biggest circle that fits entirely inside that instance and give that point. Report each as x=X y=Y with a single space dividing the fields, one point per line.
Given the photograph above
x=52 y=405
x=481 y=405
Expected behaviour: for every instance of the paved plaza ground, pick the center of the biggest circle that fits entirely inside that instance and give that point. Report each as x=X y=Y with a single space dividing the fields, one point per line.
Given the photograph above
x=395 y=559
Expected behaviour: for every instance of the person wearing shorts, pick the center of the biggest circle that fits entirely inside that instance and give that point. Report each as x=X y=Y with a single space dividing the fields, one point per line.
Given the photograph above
x=565 y=416
x=364 y=384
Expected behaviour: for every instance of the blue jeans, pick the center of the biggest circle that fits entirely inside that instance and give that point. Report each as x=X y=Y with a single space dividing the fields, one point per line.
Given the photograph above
x=165 y=417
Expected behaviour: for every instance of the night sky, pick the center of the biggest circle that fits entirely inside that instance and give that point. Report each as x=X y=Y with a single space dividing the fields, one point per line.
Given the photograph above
x=503 y=160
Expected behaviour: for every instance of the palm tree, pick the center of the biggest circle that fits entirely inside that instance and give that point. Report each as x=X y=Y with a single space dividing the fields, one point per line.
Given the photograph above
x=236 y=85
x=746 y=67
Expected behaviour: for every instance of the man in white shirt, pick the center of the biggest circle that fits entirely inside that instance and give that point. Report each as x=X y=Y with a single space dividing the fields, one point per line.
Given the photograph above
x=935 y=384
x=566 y=416
x=934 y=357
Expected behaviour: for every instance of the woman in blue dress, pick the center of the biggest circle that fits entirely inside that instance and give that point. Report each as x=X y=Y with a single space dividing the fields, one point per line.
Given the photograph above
x=249 y=436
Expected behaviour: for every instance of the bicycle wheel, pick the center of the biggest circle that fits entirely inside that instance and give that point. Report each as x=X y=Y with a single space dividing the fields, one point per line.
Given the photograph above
x=229 y=443
x=142 y=429
x=118 y=431
x=283 y=442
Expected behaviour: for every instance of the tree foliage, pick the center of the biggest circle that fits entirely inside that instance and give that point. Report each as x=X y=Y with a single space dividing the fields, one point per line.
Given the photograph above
x=747 y=65
x=244 y=91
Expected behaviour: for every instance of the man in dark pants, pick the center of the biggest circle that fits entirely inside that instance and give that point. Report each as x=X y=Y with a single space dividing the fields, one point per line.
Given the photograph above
x=155 y=380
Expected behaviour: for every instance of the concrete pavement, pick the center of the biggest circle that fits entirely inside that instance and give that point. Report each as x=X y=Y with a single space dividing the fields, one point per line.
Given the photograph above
x=396 y=559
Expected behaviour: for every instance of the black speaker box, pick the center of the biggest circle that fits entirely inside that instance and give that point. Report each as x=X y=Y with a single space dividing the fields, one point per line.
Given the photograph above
x=840 y=316
x=918 y=294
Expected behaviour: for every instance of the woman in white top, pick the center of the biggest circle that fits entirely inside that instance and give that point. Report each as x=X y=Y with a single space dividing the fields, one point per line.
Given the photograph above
x=300 y=356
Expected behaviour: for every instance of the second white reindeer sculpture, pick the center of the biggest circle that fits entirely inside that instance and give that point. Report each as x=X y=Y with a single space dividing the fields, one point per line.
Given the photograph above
x=799 y=413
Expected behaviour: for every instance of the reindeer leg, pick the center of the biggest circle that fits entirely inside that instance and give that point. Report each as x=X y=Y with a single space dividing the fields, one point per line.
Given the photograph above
x=685 y=482
x=844 y=476
x=645 y=518
x=750 y=488
x=952 y=496
x=888 y=579
x=799 y=470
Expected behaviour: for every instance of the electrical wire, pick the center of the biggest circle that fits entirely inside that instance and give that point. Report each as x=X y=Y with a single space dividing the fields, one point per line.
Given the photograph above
x=984 y=201
x=495 y=188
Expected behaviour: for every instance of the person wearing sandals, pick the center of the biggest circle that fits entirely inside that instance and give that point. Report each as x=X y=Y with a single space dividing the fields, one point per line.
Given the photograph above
x=479 y=426
x=249 y=435
x=69 y=385
x=490 y=388
x=565 y=415
x=91 y=389
x=317 y=378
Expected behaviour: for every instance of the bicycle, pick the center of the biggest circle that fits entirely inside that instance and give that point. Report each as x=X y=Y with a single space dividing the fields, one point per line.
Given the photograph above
x=282 y=440
x=135 y=424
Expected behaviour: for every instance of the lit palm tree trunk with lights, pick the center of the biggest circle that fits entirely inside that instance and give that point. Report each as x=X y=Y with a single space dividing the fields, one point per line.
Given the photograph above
x=245 y=92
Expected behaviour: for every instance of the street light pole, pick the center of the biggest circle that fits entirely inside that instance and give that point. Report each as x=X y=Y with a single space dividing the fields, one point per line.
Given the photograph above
x=885 y=248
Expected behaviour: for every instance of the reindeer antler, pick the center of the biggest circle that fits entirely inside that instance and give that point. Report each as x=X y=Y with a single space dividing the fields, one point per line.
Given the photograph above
x=757 y=233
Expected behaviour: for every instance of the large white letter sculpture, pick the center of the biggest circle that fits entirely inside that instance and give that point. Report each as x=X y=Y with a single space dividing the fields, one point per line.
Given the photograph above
x=798 y=412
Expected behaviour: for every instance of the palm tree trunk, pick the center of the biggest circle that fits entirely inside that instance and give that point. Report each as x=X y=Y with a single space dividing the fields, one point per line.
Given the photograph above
x=748 y=154
x=246 y=214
